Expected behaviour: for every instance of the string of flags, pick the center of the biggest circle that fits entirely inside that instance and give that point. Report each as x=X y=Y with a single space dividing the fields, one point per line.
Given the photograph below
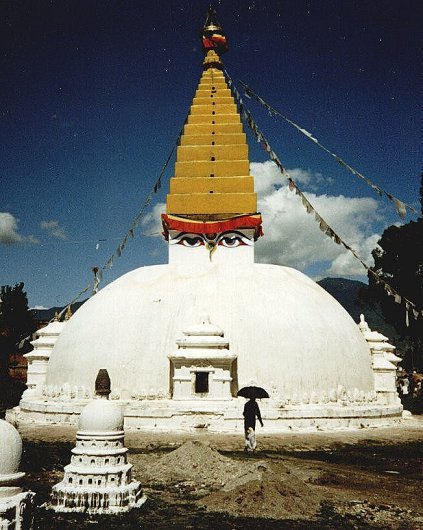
x=400 y=206
x=323 y=225
x=98 y=272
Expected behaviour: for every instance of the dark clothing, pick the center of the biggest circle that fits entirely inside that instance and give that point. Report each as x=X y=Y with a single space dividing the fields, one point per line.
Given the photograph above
x=251 y=411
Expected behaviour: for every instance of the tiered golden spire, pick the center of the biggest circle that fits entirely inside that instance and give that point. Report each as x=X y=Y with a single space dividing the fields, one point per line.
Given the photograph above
x=212 y=180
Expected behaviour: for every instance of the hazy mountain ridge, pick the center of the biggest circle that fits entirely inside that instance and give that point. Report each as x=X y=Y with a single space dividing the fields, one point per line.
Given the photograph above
x=353 y=296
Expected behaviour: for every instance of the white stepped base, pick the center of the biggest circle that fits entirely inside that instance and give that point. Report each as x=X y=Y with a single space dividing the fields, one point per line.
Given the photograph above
x=217 y=416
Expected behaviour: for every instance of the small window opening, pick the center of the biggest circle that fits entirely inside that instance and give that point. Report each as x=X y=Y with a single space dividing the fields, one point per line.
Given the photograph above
x=210 y=192
x=80 y=481
x=201 y=382
x=99 y=482
x=213 y=122
x=212 y=159
x=213 y=143
x=90 y=481
x=213 y=112
x=213 y=132
x=213 y=102
x=70 y=480
x=212 y=174
x=92 y=461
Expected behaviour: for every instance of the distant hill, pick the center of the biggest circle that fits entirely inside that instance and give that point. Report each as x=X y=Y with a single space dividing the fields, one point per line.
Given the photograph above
x=353 y=296
x=45 y=315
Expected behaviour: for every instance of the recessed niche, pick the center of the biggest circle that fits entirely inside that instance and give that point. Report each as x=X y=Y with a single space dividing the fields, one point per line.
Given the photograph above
x=201 y=382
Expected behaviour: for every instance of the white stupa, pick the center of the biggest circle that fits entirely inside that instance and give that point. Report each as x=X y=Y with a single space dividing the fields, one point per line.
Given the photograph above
x=16 y=505
x=285 y=332
x=98 y=479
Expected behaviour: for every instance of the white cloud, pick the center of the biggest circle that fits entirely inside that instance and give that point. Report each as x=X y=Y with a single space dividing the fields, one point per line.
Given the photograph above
x=293 y=238
x=152 y=221
x=9 y=234
x=267 y=177
x=54 y=229
x=9 y=229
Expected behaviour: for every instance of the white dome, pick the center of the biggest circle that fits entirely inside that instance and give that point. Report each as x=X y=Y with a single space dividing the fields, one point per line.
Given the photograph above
x=101 y=415
x=10 y=450
x=287 y=332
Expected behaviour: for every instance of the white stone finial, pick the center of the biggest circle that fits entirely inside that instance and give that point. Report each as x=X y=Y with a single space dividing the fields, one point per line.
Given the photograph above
x=205 y=318
x=204 y=328
x=363 y=324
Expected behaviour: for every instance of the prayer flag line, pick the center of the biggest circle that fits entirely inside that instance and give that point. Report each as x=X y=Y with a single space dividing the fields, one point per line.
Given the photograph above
x=410 y=307
x=130 y=233
x=400 y=206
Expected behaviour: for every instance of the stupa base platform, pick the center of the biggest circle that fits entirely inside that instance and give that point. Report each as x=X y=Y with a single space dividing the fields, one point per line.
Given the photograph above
x=218 y=415
x=89 y=500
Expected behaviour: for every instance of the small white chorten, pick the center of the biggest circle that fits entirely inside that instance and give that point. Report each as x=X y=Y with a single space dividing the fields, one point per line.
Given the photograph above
x=38 y=358
x=15 y=504
x=384 y=363
x=99 y=477
x=202 y=364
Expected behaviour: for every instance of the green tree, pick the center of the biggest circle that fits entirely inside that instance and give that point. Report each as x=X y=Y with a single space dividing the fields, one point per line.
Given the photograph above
x=399 y=261
x=16 y=323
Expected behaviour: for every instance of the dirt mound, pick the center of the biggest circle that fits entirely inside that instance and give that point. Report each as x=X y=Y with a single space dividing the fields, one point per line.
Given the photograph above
x=238 y=487
x=194 y=462
x=268 y=490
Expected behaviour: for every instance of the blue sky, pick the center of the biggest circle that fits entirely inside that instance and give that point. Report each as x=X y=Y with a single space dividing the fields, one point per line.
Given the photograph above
x=94 y=95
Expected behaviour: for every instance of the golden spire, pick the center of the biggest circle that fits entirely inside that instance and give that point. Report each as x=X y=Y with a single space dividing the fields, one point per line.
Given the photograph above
x=212 y=180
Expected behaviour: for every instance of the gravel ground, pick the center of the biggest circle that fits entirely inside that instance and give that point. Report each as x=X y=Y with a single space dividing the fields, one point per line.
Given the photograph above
x=367 y=478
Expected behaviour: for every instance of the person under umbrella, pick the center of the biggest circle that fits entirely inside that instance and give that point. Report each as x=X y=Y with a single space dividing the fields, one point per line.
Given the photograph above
x=251 y=412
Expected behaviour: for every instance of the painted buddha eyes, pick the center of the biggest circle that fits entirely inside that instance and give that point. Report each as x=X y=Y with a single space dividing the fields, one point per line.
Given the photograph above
x=231 y=240
x=191 y=241
x=226 y=239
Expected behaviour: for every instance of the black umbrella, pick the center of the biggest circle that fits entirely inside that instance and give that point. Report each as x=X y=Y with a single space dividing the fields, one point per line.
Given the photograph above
x=252 y=392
